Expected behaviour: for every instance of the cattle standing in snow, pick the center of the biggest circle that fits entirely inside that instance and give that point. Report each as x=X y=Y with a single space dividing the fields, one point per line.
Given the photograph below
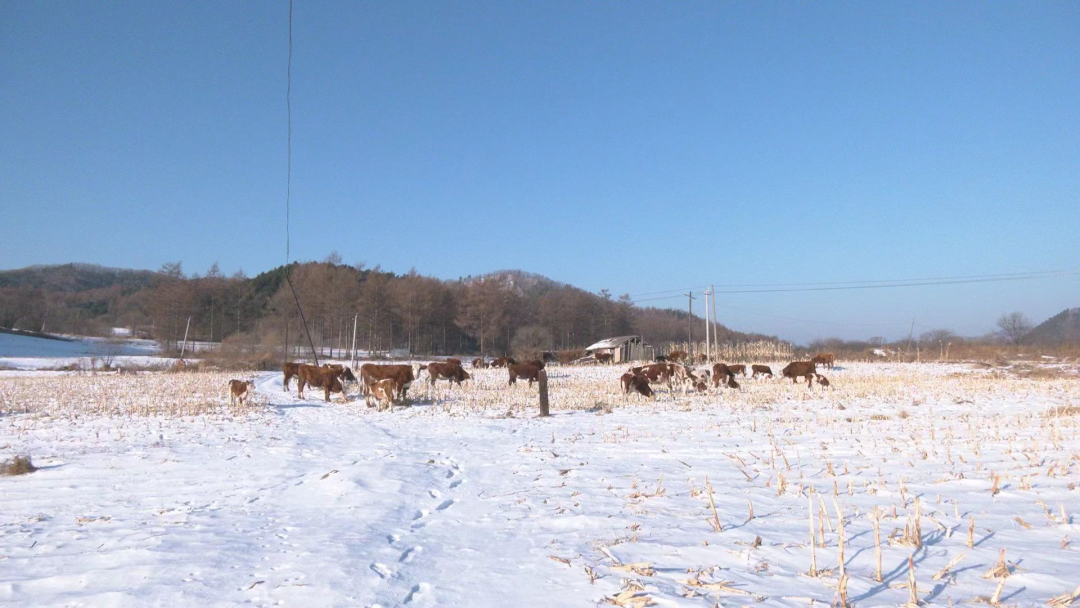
x=402 y=375
x=526 y=371
x=800 y=369
x=826 y=359
x=737 y=369
x=721 y=373
x=326 y=378
x=636 y=382
x=446 y=371
x=381 y=394
x=290 y=369
x=240 y=390
x=479 y=363
x=761 y=369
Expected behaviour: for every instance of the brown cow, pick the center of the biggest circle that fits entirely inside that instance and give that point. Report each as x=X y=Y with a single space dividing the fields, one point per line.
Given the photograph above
x=657 y=372
x=677 y=355
x=738 y=369
x=479 y=363
x=826 y=359
x=402 y=375
x=381 y=394
x=803 y=369
x=702 y=358
x=526 y=371
x=240 y=389
x=701 y=386
x=721 y=373
x=290 y=369
x=823 y=381
x=446 y=371
x=604 y=357
x=731 y=383
x=326 y=378
x=638 y=382
x=761 y=369
x=504 y=362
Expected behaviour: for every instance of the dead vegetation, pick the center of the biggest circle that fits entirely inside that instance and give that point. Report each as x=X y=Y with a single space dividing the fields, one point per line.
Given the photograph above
x=147 y=394
x=19 y=465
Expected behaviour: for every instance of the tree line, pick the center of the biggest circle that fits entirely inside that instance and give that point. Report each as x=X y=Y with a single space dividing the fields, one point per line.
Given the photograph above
x=493 y=314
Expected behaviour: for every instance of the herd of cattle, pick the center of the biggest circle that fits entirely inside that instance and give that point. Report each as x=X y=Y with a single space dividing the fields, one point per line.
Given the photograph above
x=385 y=384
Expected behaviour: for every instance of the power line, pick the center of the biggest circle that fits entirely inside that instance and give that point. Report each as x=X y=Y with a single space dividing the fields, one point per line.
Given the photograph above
x=906 y=284
x=288 y=196
x=871 y=282
x=885 y=284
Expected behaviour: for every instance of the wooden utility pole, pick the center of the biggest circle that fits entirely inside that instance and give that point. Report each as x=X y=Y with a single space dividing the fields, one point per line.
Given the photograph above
x=690 y=325
x=707 y=350
x=712 y=290
x=356 y=321
x=183 y=348
x=542 y=377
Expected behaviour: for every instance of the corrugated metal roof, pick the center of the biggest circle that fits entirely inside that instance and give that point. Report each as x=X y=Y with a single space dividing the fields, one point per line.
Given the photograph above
x=612 y=342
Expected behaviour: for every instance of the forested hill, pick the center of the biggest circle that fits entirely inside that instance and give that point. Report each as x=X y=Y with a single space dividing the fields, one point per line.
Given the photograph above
x=425 y=314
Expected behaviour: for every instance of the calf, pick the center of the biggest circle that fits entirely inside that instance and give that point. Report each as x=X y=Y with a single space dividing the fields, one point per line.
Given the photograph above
x=825 y=359
x=526 y=371
x=761 y=369
x=503 y=362
x=604 y=357
x=803 y=369
x=637 y=382
x=731 y=383
x=326 y=378
x=721 y=373
x=657 y=372
x=381 y=394
x=479 y=363
x=290 y=369
x=702 y=358
x=240 y=390
x=678 y=355
x=446 y=371
x=402 y=375
x=823 y=381
x=738 y=369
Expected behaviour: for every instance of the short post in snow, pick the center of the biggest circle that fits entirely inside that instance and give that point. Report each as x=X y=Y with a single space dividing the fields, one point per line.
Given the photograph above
x=542 y=378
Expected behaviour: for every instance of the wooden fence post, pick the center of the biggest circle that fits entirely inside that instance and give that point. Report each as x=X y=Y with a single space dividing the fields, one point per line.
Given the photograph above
x=542 y=377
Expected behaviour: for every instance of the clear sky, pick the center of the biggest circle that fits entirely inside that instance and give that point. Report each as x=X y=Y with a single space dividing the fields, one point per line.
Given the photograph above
x=630 y=146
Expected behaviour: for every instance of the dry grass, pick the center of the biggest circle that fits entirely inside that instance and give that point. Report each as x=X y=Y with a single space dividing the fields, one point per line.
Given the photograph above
x=147 y=394
x=19 y=465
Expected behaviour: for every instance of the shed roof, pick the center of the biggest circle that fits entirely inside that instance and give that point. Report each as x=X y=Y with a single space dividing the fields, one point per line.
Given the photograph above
x=613 y=342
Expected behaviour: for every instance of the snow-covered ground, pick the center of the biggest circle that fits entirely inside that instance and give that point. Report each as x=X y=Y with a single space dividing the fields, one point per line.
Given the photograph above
x=468 y=499
x=19 y=352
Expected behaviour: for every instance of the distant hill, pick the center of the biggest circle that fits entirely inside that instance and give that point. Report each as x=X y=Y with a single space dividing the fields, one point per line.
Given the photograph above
x=1062 y=328
x=423 y=313
x=73 y=278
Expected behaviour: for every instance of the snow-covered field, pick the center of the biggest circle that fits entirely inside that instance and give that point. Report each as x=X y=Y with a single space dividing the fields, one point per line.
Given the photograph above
x=468 y=499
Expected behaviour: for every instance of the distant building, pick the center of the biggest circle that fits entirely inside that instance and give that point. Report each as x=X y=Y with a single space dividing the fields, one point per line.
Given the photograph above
x=624 y=348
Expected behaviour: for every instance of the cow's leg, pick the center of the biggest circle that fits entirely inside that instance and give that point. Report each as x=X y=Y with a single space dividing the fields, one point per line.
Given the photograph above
x=285 y=382
x=300 y=387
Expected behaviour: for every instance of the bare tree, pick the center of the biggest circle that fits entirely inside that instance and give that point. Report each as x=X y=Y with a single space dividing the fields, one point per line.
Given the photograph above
x=1013 y=326
x=935 y=336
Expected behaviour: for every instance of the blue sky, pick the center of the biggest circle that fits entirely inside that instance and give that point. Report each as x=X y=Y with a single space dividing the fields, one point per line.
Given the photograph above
x=631 y=146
